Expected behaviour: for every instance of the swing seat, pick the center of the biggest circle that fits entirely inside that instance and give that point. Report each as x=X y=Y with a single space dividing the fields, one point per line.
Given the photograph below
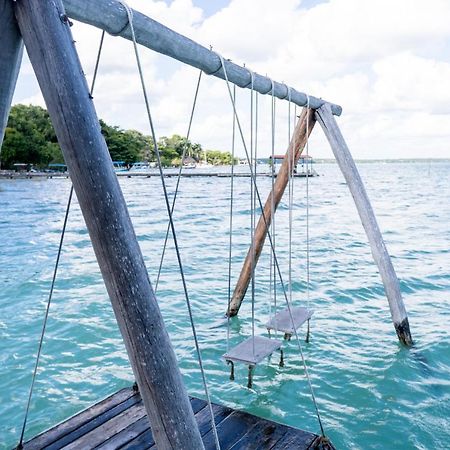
x=243 y=352
x=283 y=322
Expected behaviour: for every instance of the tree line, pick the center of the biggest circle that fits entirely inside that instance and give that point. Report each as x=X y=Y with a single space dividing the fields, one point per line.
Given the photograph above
x=31 y=139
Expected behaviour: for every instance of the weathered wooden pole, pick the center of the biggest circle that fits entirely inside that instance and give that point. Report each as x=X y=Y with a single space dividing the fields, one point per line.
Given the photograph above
x=47 y=37
x=111 y=16
x=11 y=50
x=379 y=251
x=295 y=149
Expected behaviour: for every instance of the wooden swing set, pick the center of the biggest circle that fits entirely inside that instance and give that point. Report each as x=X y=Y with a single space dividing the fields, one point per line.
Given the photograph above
x=44 y=27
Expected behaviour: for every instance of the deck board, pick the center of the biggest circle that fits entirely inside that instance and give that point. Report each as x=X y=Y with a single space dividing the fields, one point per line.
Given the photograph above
x=145 y=440
x=120 y=422
x=74 y=423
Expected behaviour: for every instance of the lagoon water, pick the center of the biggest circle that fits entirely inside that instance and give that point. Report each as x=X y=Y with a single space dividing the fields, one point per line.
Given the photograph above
x=371 y=392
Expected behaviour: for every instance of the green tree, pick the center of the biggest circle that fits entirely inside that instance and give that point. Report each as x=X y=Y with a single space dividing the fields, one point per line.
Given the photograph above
x=29 y=138
x=125 y=145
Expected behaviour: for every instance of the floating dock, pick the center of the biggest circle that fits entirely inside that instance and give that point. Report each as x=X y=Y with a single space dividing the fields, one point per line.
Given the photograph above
x=120 y=422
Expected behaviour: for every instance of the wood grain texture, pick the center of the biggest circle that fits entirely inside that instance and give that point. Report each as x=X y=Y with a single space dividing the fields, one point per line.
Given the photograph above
x=293 y=153
x=11 y=50
x=145 y=439
x=72 y=424
x=128 y=429
x=47 y=37
x=369 y=222
x=110 y=15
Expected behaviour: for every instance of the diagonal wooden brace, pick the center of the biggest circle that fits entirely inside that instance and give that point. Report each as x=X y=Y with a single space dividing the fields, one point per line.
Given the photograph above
x=369 y=222
x=293 y=153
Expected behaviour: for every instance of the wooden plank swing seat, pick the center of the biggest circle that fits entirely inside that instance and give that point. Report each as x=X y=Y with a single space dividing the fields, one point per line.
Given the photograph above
x=282 y=321
x=251 y=352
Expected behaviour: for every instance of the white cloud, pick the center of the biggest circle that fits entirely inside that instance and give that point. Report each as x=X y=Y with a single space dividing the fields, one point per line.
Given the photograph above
x=387 y=63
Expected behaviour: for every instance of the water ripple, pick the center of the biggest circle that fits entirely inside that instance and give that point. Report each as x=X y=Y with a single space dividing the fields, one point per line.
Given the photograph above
x=372 y=393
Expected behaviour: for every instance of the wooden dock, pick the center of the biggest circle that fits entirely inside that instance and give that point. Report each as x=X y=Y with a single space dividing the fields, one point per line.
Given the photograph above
x=120 y=422
x=167 y=174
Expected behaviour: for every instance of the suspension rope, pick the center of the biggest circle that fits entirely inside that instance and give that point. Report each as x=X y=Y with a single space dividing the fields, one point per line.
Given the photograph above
x=231 y=221
x=291 y=162
x=305 y=367
x=307 y=223
x=253 y=151
x=161 y=262
x=55 y=270
x=172 y=225
x=44 y=326
x=272 y=211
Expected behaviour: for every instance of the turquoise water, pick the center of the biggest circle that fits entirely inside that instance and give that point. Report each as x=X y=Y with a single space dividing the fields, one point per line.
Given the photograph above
x=372 y=393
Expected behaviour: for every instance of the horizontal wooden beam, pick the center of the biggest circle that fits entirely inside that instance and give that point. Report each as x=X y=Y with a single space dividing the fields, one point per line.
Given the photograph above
x=111 y=16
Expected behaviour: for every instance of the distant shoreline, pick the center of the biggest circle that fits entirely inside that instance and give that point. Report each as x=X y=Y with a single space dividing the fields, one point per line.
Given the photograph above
x=391 y=160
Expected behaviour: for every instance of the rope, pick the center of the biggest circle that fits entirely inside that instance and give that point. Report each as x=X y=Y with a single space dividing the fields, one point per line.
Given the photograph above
x=291 y=162
x=307 y=221
x=231 y=222
x=272 y=212
x=313 y=397
x=55 y=271
x=178 y=180
x=44 y=326
x=253 y=150
x=172 y=225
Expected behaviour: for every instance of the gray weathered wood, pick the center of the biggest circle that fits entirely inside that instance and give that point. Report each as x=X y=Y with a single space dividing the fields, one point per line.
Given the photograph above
x=129 y=429
x=47 y=37
x=293 y=153
x=253 y=350
x=93 y=424
x=109 y=429
x=11 y=50
x=79 y=420
x=110 y=15
x=377 y=245
x=289 y=321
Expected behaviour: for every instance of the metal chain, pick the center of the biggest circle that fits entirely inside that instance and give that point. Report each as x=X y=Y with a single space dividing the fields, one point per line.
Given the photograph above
x=172 y=225
x=55 y=271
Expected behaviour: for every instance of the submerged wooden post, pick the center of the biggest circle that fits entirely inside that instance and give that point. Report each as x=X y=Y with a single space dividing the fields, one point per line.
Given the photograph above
x=11 y=50
x=379 y=251
x=47 y=37
x=295 y=149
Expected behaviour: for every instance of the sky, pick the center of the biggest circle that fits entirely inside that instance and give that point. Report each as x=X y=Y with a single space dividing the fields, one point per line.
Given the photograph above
x=387 y=63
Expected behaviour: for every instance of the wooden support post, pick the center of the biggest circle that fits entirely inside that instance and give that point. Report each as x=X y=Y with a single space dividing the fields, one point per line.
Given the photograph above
x=379 y=251
x=11 y=50
x=296 y=146
x=47 y=37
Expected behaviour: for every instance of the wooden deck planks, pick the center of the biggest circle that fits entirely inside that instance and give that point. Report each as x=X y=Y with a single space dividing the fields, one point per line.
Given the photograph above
x=120 y=422
x=109 y=429
x=145 y=438
x=74 y=423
